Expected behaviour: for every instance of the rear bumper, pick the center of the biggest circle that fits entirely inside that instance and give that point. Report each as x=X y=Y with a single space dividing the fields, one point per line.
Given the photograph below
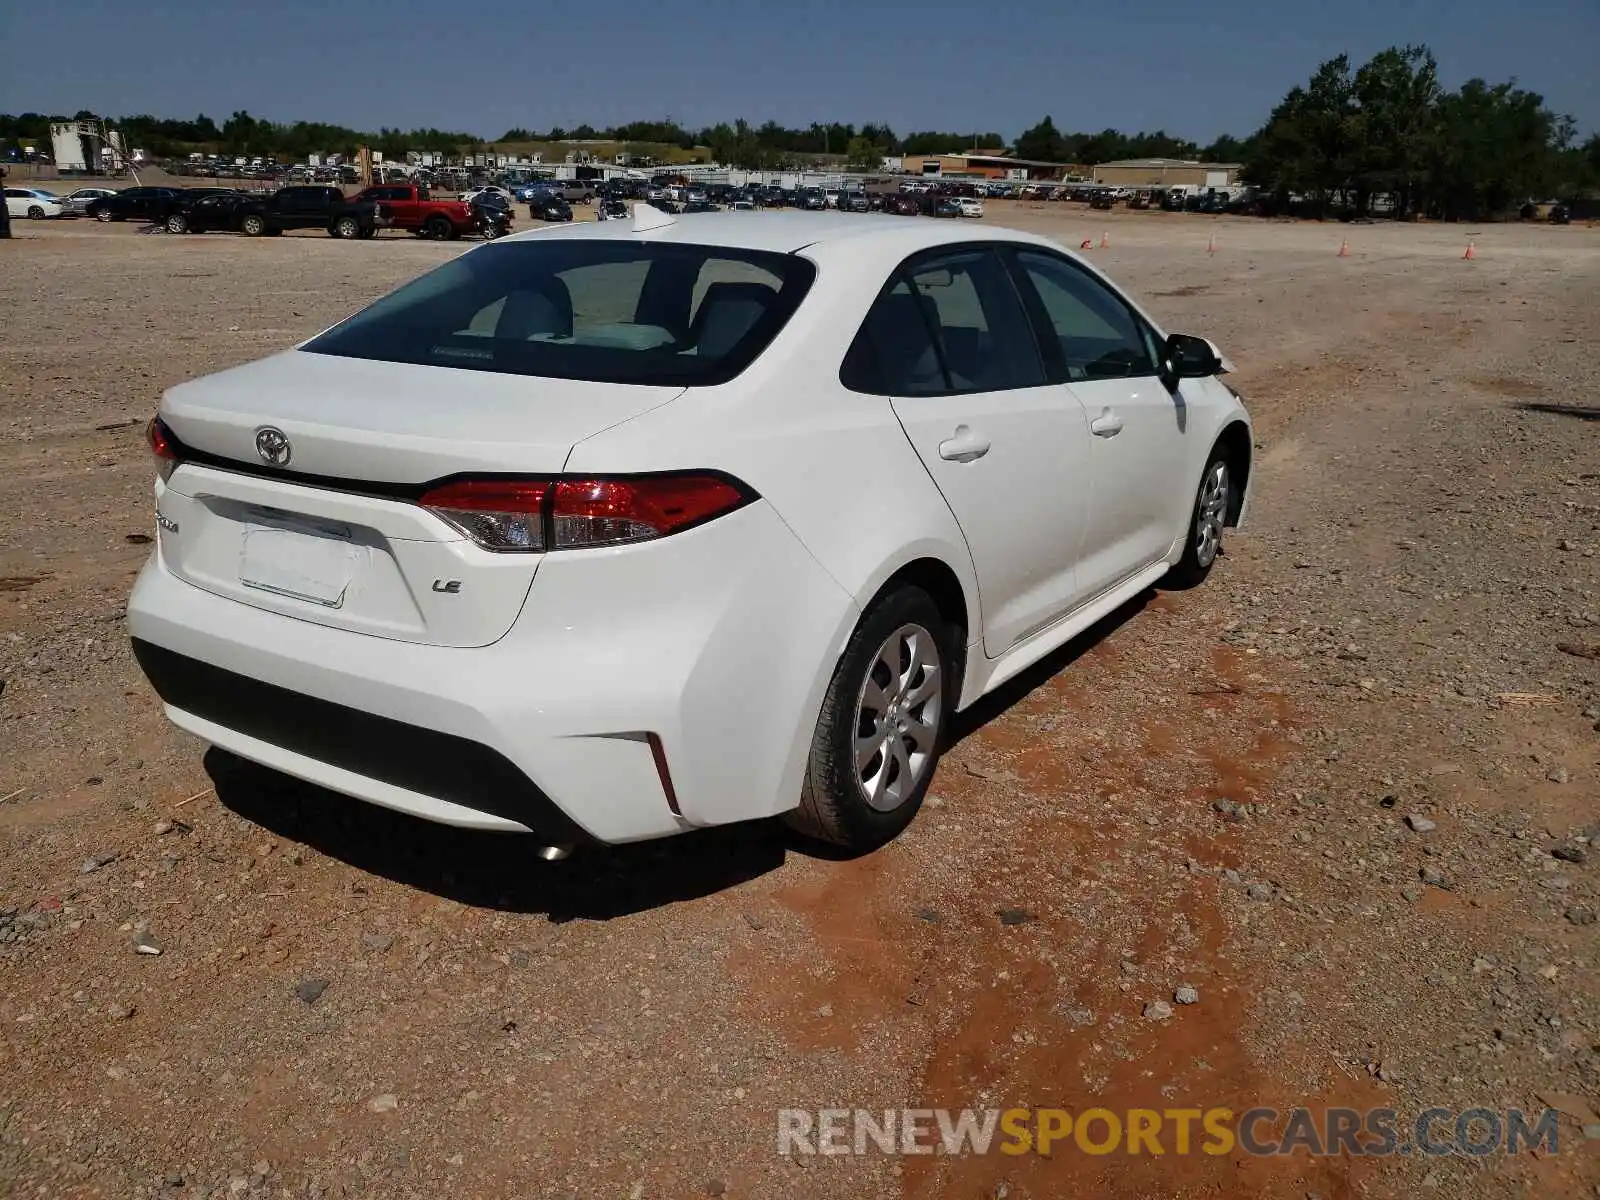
x=719 y=643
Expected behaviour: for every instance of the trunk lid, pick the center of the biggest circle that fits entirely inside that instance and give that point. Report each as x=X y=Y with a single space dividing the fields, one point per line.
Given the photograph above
x=333 y=535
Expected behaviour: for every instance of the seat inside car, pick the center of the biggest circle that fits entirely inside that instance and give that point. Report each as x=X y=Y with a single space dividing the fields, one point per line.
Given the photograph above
x=727 y=312
x=542 y=311
x=898 y=330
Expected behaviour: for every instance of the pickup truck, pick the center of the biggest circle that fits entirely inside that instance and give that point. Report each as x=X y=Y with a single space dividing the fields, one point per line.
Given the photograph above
x=310 y=208
x=406 y=206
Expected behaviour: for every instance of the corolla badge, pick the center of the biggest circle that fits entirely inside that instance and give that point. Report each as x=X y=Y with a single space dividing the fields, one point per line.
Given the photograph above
x=273 y=446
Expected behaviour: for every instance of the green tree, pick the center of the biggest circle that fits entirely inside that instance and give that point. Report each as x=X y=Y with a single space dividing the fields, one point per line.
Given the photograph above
x=1226 y=149
x=1397 y=93
x=1042 y=143
x=863 y=155
x=241 y=133
x=1494 y=146
x=1308 y=143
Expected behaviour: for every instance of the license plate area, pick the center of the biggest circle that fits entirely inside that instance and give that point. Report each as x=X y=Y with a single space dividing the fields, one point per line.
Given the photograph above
x=287 y=555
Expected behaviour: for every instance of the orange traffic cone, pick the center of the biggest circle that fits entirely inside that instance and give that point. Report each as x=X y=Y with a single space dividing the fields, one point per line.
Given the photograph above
x=1105 y=240
x=1344 y=248
x=1086 y=244
x=1211 y=246
x=1471 y=253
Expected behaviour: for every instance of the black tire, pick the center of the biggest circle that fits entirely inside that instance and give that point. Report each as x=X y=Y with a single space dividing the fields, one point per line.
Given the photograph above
x=1213 y=504
x=346 y=228
x=253 y=225
x=177 y=223
x=35 y=213
x=437 y=228
x=834 y=805
x=103 y=215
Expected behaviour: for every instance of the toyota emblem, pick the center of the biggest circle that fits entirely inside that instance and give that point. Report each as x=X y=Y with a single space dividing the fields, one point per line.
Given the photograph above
x=273 y=446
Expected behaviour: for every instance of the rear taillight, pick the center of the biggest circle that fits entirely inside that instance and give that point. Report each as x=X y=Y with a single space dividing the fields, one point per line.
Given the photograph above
x=498 y=514
x=164 y=446
x=571 y=514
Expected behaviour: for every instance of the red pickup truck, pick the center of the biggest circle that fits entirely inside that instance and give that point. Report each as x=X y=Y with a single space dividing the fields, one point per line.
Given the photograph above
x=406 y=206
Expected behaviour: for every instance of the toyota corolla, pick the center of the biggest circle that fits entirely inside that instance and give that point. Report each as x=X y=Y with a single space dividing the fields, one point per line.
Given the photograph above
x=623 y=529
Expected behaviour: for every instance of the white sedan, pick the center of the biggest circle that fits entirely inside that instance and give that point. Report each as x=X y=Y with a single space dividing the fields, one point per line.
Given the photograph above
x=969 y=207
x=623 y=529
x=36 y=203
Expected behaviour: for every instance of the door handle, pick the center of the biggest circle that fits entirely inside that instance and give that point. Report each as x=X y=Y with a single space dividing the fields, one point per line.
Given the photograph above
x=1107 y=424
x=964 y=446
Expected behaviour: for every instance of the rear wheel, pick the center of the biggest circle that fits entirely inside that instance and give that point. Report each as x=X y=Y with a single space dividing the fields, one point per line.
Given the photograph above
x=35 y=212
x=253 y=225
x=103 y=214
x=1212 y=502
x=437 y=228
x=177 y=223
x=345 y=227
x=882 y=725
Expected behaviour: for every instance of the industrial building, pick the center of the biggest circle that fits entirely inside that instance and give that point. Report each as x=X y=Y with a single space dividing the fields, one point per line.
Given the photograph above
x=982 y=164
x=1167 y=172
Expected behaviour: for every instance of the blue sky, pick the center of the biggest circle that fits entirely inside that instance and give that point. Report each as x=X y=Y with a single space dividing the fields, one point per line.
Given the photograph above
x=1196 y=68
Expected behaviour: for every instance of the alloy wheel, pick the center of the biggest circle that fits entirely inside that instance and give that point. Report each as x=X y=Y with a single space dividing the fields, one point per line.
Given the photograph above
x=1210 y=514
x=898 y=716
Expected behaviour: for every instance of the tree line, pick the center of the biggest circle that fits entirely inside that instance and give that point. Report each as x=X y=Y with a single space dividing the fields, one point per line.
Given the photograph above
x=240 y=134
x=1389 y=128
x=1347 y=136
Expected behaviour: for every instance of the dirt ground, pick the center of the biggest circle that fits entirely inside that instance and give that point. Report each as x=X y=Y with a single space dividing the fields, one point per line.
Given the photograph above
x=1212 y=789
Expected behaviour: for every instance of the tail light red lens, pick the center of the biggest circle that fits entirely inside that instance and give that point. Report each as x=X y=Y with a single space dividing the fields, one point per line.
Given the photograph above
x=498 y=514
x=608 y=512
x=163 y=445
x=572 y=514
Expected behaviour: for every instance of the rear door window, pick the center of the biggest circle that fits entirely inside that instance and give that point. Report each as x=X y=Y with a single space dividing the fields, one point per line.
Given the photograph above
x=951 y=322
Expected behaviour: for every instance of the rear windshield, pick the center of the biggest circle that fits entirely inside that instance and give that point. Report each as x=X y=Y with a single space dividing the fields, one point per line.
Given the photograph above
x=605 y=311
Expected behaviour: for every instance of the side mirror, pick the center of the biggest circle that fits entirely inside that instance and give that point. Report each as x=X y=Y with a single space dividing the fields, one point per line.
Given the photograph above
x=1185 y=357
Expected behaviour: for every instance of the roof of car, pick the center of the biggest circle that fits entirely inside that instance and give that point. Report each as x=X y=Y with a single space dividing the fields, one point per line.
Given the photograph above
x=782 y=232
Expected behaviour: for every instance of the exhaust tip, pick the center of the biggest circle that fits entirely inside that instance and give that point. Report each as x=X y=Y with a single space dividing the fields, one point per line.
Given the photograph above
x=554 y=853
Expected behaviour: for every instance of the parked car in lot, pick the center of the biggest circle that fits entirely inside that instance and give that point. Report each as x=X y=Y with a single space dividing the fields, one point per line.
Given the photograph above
x=621 y=586
x=492 y=216
x=943 y=206
x=34 y=203
x=135 y=203
x=970 y=207
x=313 y=207
x=701 y=206
x=208 y=210
x=547 y=206
x=907 y=205
x=76 y=203
x=853 y=201
x=409 y=207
